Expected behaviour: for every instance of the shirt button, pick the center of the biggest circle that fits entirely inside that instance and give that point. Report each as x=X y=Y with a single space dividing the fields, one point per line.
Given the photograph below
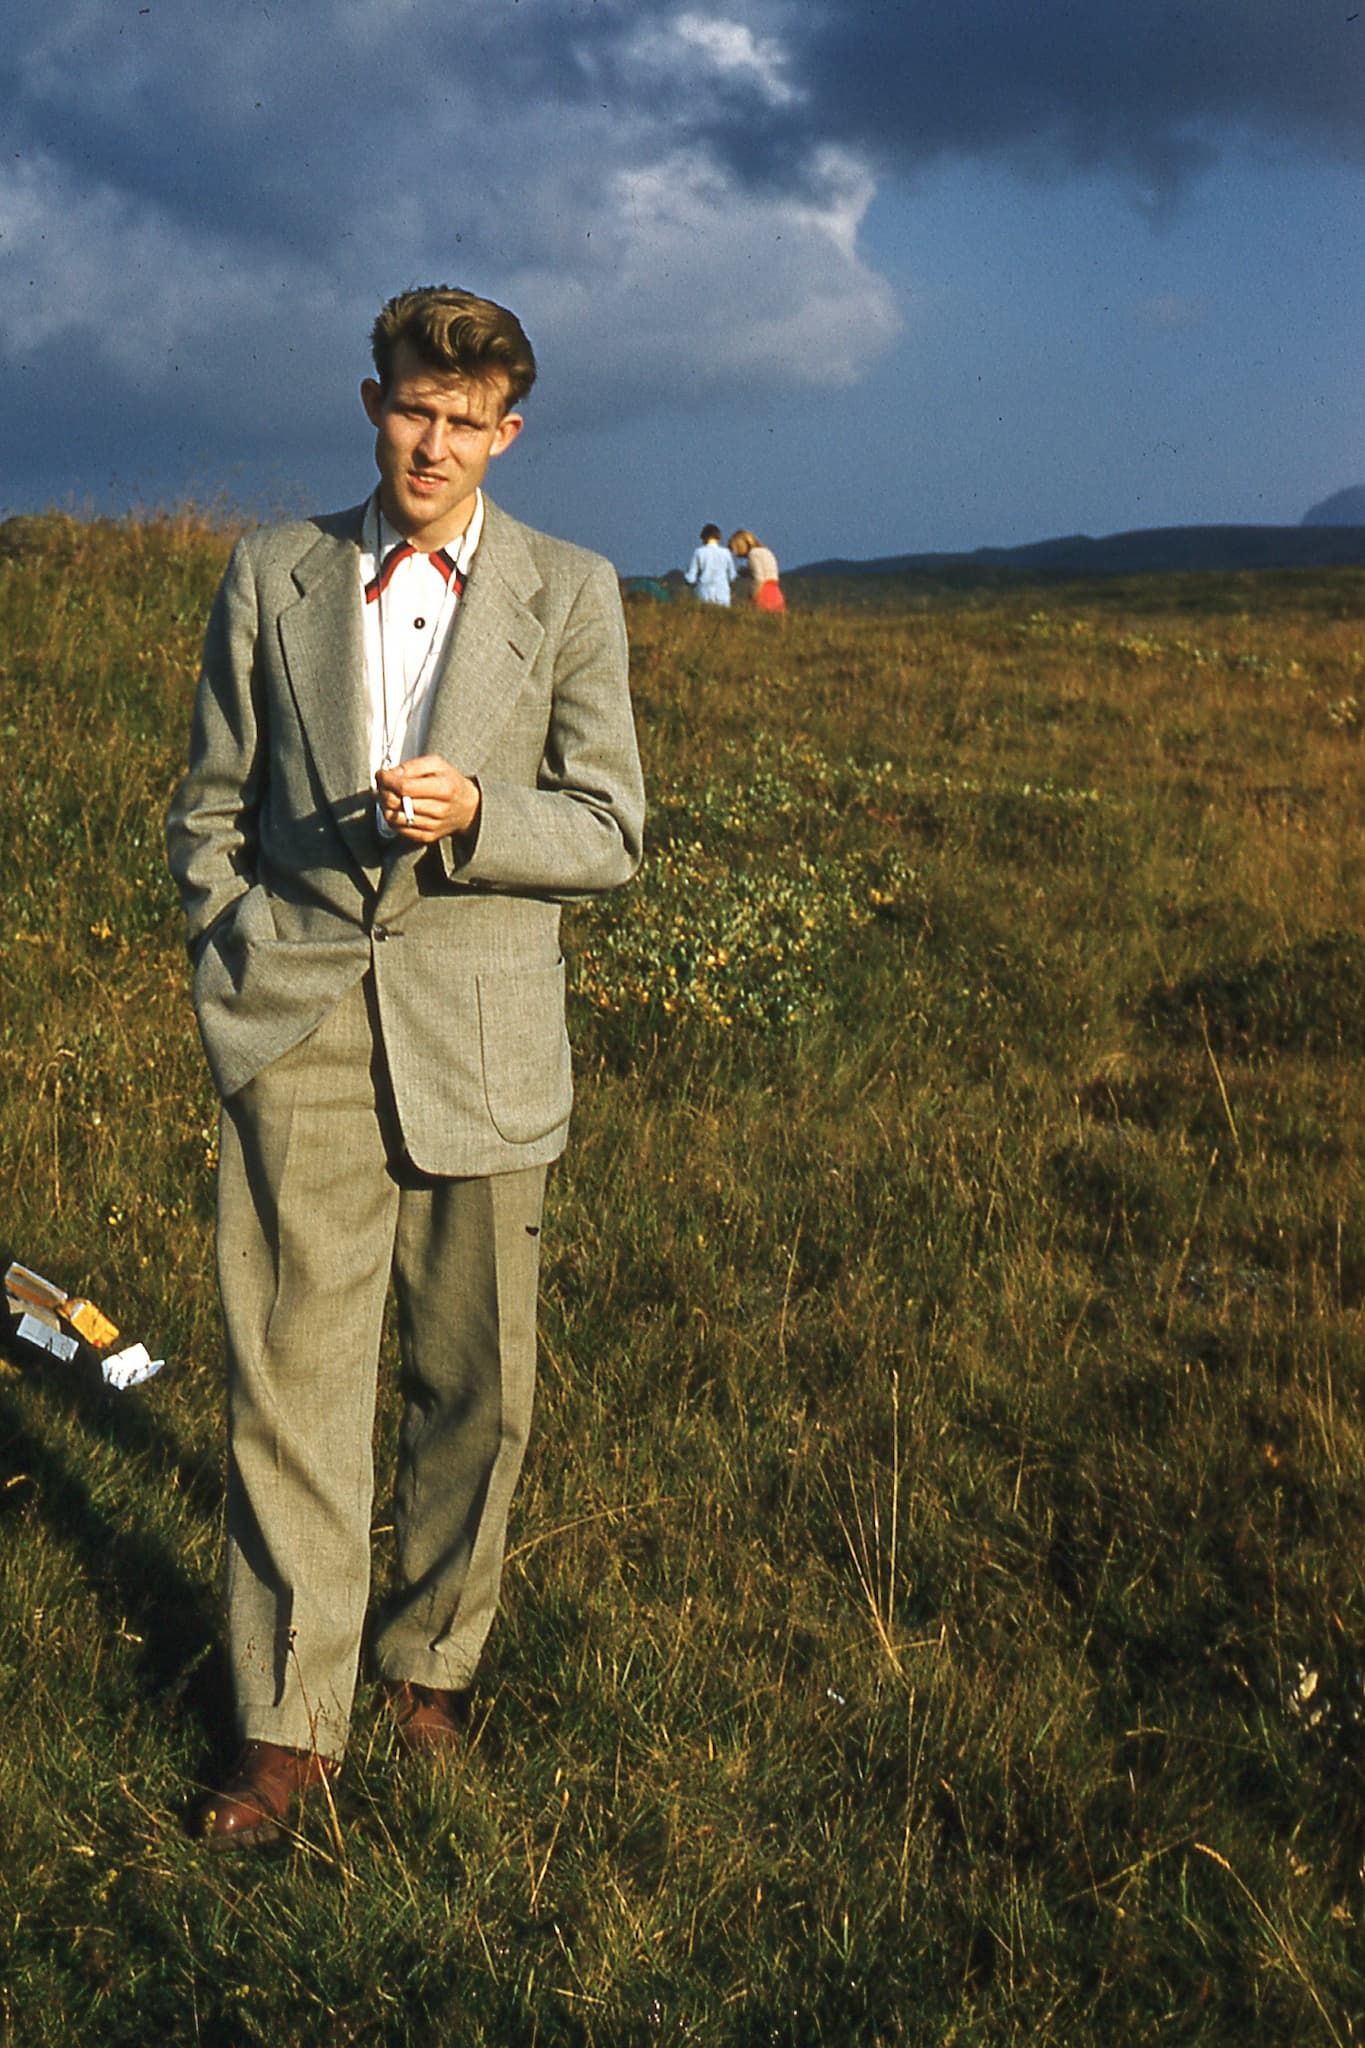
x=418 y=625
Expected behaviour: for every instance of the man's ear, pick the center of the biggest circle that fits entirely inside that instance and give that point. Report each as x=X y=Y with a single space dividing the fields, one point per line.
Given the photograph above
x=509 y=426
x=372 y=398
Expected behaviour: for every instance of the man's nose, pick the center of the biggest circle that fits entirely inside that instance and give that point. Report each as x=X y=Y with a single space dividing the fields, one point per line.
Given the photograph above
x=432 y=445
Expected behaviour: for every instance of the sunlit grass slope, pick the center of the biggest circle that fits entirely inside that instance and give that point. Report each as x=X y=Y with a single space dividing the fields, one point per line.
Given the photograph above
x=935 y=1613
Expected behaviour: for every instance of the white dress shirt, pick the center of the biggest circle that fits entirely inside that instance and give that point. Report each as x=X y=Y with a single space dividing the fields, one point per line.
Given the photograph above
x=407 y=627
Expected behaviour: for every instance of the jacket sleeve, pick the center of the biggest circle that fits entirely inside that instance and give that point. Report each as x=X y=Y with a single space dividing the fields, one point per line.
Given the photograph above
x=211 y=825
x=579 y=831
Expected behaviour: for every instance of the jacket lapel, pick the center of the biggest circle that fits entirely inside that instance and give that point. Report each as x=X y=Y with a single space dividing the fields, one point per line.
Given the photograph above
x=322 y=642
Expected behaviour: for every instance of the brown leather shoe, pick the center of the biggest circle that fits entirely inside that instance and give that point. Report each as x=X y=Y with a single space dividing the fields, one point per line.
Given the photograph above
x=261 y=1798
x=428 y=1720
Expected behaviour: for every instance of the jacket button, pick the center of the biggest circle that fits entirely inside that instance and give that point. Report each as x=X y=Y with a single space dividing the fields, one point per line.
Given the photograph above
x=381 y=931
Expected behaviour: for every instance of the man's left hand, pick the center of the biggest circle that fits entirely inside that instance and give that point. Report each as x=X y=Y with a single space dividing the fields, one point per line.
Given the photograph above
x=425 y=799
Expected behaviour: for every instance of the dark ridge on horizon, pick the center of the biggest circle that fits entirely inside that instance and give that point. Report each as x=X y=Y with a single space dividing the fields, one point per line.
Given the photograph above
x=1160 y=550
x=1343 y=508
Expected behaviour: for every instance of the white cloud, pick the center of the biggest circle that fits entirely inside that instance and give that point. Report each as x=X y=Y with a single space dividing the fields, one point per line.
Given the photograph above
x=631 y=249
x=110 y=284
x=197 y=247
x=700 y=44
x=698 y=286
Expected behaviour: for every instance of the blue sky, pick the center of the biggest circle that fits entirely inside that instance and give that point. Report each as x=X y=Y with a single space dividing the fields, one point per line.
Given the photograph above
x=864 y=277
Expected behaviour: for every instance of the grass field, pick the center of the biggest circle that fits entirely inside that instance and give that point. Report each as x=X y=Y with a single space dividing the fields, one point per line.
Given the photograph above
x=936 y=1611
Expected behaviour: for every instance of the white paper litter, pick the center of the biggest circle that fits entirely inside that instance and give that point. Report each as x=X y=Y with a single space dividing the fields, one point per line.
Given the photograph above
x=129 y=1367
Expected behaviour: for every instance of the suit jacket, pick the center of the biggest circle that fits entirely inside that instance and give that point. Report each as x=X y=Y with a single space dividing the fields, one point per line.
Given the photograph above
x=291 y=896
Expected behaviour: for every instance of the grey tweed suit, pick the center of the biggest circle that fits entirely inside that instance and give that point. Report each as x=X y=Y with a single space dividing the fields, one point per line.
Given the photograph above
x=385 y=1025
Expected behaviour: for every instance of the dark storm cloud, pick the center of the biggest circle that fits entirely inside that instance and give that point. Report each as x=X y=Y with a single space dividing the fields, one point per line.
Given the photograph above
x=1152 y=90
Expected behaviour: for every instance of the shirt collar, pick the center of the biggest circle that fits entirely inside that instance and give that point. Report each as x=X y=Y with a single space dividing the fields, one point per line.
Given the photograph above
x=380 y=535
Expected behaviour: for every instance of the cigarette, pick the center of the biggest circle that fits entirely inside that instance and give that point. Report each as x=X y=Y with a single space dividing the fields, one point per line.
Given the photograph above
x=408 y=817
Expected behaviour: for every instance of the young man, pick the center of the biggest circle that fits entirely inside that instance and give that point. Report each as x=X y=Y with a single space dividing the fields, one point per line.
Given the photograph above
x=412 y=742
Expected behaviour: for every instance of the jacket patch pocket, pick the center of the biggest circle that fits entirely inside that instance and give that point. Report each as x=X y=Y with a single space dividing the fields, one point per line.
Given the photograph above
x=525 y=1048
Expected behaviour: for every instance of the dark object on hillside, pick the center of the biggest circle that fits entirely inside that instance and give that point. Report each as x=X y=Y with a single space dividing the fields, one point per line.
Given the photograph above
x=652 y=588
x=1157 y=551
x=1305 y=998
x=1343 y=508
x=54 y=535
x=44 y=1321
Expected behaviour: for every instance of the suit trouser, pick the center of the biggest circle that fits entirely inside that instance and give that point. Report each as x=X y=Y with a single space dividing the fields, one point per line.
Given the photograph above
x=317 y=1207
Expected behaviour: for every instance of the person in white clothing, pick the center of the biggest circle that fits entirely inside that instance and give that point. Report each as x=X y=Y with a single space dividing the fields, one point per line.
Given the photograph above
x=712 y=569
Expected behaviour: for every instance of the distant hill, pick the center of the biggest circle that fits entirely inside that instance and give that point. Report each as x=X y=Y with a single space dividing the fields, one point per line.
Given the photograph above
x=1343 y=508
x=1160 y=550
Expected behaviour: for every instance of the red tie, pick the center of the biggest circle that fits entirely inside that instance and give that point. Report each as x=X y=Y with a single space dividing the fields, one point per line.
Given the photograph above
x=442 y=560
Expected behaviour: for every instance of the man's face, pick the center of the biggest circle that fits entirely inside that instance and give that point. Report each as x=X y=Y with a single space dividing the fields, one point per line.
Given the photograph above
x=435 y=435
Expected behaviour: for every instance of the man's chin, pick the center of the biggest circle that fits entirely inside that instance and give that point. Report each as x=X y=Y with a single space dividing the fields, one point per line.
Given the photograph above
x=412 y=515
x=430 y=498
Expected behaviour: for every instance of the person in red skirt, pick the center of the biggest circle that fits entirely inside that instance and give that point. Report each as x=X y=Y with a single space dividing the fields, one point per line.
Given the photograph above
x=762 y=566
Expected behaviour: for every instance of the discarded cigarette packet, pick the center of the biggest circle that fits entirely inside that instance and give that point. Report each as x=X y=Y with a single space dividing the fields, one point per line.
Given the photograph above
x=45 y=1337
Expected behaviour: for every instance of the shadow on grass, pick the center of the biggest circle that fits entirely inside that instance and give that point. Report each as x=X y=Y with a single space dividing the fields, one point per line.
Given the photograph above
x=138 y=1581
x=1308 y=997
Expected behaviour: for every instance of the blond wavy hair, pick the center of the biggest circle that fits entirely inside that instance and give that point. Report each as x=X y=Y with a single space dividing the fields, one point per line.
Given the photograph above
x=457 y=332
